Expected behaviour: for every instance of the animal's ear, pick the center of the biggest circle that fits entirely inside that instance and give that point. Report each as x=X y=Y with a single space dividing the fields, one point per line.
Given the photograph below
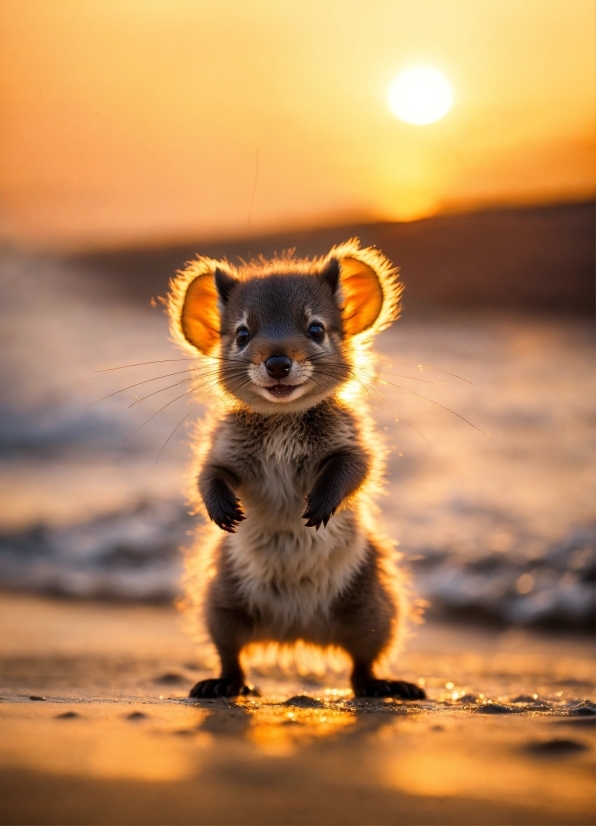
x=362 y=295
x=194 y=301
x=369 y=289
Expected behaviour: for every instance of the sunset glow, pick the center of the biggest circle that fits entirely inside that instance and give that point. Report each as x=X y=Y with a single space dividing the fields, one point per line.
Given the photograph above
x=135 y=120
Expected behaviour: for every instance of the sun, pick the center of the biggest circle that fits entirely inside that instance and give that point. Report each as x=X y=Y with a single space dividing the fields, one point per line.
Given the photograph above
x=420 y=95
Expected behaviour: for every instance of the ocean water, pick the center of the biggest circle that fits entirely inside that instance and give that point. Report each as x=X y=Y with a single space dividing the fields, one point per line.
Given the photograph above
x=497 y=527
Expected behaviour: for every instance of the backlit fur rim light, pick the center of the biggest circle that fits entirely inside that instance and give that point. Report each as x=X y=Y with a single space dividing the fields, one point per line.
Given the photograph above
x=199 y=563
x=388 y=276
x=178 y=288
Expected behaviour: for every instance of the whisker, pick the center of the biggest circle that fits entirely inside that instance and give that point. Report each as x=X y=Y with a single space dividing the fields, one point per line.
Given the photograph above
x=318 y=356
x=136 y=384
x=230 y=391
x=396 y=417
x=235 y=360
x=197 y=370
x=211 y=375
x=374 y=373
x=413 y=378
x=214 y=382
x=174 y=430
x=193 y=389
x=137 y=364
x=364 y=387
x=217 y=385
x=408 y=390
x=156 y=412
x=432 y=401
x=430 y=367
x=163 y=361
x=162 y=390
x=348 y=377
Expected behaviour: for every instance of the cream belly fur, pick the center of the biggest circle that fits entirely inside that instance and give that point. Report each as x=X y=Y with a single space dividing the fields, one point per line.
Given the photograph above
x=287 y=571
x=290 y=577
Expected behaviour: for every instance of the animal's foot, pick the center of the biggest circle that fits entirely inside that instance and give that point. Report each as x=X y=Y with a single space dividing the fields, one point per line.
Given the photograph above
x=221 y=687
x=227 y=513
x=317 y=514
x=390 y=688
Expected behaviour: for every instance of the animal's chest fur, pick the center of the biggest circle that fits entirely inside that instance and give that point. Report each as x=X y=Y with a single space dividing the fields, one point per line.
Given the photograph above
x=276 y=463
x=287 y=571
x=275 y=480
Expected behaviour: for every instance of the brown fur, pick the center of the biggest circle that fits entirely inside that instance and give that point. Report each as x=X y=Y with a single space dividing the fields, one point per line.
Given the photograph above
x=289 y=463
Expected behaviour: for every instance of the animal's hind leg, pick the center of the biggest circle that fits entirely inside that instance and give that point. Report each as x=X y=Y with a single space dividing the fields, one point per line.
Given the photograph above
x=230 y=628
x=365 y=622
x=365 y=684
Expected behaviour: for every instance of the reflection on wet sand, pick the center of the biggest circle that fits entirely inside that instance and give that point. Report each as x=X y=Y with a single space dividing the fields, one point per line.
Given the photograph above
x=101 y=743
x=282 y=732
x=505 y=737
x=423 y=751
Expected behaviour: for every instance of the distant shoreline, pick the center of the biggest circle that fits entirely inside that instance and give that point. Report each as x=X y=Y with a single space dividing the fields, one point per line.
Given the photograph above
x=538 y=258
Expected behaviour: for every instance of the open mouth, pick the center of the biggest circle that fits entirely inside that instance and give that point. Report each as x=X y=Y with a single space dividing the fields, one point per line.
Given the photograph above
x=281 y=390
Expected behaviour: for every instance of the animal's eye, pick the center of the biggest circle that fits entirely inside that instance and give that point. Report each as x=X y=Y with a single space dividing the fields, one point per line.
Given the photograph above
x=242 y=336
x=316 y=331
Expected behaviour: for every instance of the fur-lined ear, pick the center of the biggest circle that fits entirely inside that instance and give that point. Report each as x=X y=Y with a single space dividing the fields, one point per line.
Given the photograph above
x=368 y=287
x=193 y=303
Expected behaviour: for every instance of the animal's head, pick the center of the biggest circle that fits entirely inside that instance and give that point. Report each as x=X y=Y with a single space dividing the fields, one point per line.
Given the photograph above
x=282 y=334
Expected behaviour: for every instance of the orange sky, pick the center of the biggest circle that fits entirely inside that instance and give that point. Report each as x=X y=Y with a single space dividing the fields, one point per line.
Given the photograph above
x=134 y=120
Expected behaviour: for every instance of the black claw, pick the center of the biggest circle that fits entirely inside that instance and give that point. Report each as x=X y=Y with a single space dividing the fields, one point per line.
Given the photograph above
x=229 y=522
x=315 y=520
x=225 y=528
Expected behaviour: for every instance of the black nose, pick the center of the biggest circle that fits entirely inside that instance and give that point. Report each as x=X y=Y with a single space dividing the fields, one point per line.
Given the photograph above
x=278 y=367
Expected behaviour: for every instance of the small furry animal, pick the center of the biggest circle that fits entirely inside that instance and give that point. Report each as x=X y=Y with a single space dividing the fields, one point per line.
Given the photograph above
x=289 y=463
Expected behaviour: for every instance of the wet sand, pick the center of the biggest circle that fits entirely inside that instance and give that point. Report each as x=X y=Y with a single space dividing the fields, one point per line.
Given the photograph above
x=506 y=736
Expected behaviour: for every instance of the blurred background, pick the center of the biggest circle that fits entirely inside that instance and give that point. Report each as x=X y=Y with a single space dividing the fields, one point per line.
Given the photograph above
x=138 y=133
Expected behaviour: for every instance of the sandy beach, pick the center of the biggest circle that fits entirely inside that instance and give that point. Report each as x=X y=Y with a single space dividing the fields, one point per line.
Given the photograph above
x=505 y=737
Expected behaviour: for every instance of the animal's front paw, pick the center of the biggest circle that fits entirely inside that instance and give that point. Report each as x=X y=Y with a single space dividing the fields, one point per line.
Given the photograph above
x=317 y=512
x=390 y=688
x=220 y=688
x=226 y=512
